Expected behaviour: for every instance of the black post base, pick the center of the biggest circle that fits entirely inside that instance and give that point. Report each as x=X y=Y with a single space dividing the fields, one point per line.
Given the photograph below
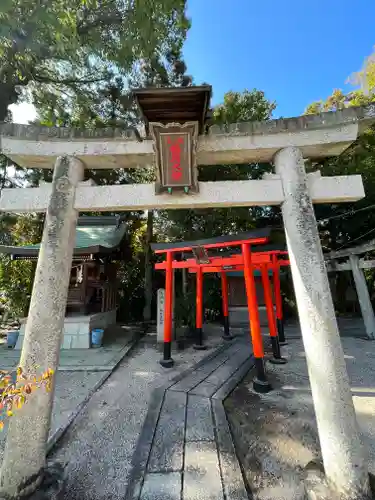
x=260 y=383
x=227 y=335
x=280 y=331
x=167 y=363
x=261 y=386
x=277 y=359
x=228 y=338
x=199 y=346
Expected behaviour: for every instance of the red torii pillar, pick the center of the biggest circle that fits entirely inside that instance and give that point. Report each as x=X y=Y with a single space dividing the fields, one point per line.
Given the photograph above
x=224 y=297
x=277 y=359
x=167 y=360
x=260 y=382
x=199 y=310
x=278 y=300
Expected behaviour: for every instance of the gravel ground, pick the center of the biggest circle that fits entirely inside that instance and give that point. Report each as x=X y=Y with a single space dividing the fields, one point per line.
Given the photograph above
x=71 y=389
x=98 y=447
x=276 y=434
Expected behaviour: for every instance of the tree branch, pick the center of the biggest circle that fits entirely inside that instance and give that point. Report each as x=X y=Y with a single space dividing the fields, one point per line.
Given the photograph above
x=83 y=29
x=67 y=81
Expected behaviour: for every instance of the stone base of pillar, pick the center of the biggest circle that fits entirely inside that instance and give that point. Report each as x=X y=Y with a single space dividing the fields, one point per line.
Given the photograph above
x=316 y=486
x=50 y=485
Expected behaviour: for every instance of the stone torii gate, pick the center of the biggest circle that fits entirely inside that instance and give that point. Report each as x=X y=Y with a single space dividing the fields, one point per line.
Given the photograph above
x=356 y=265
x=286 y=143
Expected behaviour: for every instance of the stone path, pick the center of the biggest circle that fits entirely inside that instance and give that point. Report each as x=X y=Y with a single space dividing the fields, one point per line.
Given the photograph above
x=185 y=451
x=98 y=447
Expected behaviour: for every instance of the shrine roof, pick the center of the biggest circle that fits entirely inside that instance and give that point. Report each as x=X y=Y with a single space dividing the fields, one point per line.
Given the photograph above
x=181 y=246
x=174 y=104
x=94 y=235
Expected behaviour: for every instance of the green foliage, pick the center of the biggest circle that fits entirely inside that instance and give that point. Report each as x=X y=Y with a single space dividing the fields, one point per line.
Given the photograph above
x=246 y=106
x=16 y=277
x=64 y=49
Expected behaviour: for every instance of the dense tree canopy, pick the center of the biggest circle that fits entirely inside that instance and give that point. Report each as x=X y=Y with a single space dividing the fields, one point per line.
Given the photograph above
x=66 y=49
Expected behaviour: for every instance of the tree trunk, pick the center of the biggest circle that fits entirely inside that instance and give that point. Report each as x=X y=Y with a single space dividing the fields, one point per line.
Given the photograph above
x=148 y=268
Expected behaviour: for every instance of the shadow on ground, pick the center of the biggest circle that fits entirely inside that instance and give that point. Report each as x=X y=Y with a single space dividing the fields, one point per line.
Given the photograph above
x=276 y=434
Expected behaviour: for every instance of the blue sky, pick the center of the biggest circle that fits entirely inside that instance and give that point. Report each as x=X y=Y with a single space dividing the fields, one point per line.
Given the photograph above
x=296 y=51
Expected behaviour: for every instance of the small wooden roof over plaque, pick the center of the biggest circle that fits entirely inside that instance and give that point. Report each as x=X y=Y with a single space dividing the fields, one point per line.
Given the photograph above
x=174 y=104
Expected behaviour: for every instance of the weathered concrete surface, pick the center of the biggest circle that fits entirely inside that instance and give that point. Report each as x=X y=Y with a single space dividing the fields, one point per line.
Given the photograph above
x=327 y=134
x=202 y=479
x=211 y=194
x=162 y=487
x=276 y=434
x=168 y=446
x=25 y=449
x=98 y=447
x=186 y=431
x=343 y=456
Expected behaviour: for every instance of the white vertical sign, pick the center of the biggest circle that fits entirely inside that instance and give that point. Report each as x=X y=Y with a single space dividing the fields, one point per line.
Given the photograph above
x=160 y=314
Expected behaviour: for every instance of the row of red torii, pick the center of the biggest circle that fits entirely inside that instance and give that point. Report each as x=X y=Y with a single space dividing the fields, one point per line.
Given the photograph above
x=242 y=257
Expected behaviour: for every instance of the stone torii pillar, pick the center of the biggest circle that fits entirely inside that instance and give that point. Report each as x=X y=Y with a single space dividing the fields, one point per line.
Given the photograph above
x=363 y=296
x=344 y=462
x=25 y=449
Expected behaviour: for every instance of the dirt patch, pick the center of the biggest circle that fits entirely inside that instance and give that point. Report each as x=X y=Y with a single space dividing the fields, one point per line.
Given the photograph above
x=276 y=434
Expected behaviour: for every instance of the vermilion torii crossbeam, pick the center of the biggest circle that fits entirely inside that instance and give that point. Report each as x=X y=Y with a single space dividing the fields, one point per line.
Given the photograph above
x=207 y=246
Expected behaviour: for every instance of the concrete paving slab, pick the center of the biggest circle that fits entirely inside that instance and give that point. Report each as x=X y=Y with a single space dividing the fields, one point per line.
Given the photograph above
x=162 y=487
x=204 y=389
x=219 y=376
x=202 y=474
x=233 y=482
x=185 y=385
x=199 y=423
x=202 y=470
x=167 y=450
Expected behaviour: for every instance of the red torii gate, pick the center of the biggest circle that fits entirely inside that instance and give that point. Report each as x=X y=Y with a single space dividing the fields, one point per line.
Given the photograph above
x=246 y=261
x=264 y=261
